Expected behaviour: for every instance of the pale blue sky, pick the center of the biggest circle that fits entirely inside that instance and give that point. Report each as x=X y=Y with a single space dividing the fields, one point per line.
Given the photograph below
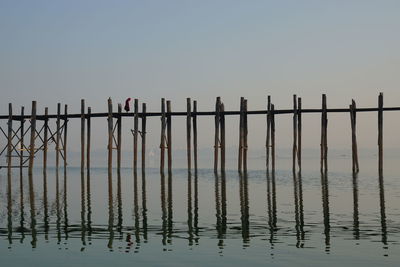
x=67 y=50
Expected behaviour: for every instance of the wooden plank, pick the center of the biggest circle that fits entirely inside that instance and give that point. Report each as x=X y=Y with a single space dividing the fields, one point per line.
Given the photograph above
x=21 y=138
x=268 y=141
x=65 y=135
x=9 y=138
x=294 y=150
x=240 y=153
x=245 y=133
x=299 y=132
x=58 y=129
x=273 y=137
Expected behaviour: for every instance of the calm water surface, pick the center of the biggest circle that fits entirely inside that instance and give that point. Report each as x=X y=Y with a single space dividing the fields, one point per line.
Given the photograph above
x=199 y=219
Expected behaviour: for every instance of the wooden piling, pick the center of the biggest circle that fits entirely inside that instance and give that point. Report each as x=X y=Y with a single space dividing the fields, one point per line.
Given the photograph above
x=162 y=142
x=32 y=140
x=267 y=143
x=21 y=138
x=169 y=136
x=45 y=138
x=188 y=134
x=299 y=130
x=119 y=136
x=82 y=135
x=135 y=133
x=222 y=121
x=65 y=135
x=110 y=137
x=143 y=138
x=58 y=129
x=380 y=133
x=88 y=143
x=240 y=153
x=9 y=138
x=273 y=137
x=195 y=134
x=353 y=121
x=216 y=134
x=324 y=144
x=245 y=133
x=294 y=151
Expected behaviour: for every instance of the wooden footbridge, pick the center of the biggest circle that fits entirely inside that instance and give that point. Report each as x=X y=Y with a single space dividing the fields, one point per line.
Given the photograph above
x=42 y=136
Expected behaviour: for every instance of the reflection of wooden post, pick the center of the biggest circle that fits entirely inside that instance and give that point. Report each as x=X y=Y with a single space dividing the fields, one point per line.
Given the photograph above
x=21 y=140
x=135 y=133
x=195 y=134
x=169 y=136
x=89 y=112
x=188 y=131
x=268 y=130
x=65 y=135
x=143 y=137
x=299 y=132
x=380 y=132
x=9 y=138
x=294 y=152
x=58 y=135
x=245 y=133
x=45 y=138
x=82 y=135
x=33 y=134
x=110 y=137
x=119 y=136
x=216 y=134
x=162 y=142
x=222 y=117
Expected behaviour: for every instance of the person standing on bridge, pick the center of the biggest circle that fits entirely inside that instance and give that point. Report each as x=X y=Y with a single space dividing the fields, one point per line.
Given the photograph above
x=127 y=107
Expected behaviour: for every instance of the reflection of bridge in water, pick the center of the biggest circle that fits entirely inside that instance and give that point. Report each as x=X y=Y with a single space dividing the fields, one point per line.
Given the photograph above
x=21 y=196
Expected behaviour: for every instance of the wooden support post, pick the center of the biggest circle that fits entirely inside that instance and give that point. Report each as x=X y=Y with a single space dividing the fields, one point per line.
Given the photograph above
x=299 y=130
x=143 y=138
x=162 y=142
x=119 y=136
x=267 y=143
x=216 y=135
x=82 y=136
x=110 y=137
x=58 y=135
x=195 y=134
x=353 y=121
x=45 y=139
x=240 y=153
x=324 y=144
x=245 y=133
x=188 y=132
x=33 y=134
x=21 y=139
x=169 y=136
x=273 y=137
x=222 y=120
x=294 y=152
x=65 y=135
x=9 y=138
x=89 y=113
x=135 y=133
x=380 y=133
